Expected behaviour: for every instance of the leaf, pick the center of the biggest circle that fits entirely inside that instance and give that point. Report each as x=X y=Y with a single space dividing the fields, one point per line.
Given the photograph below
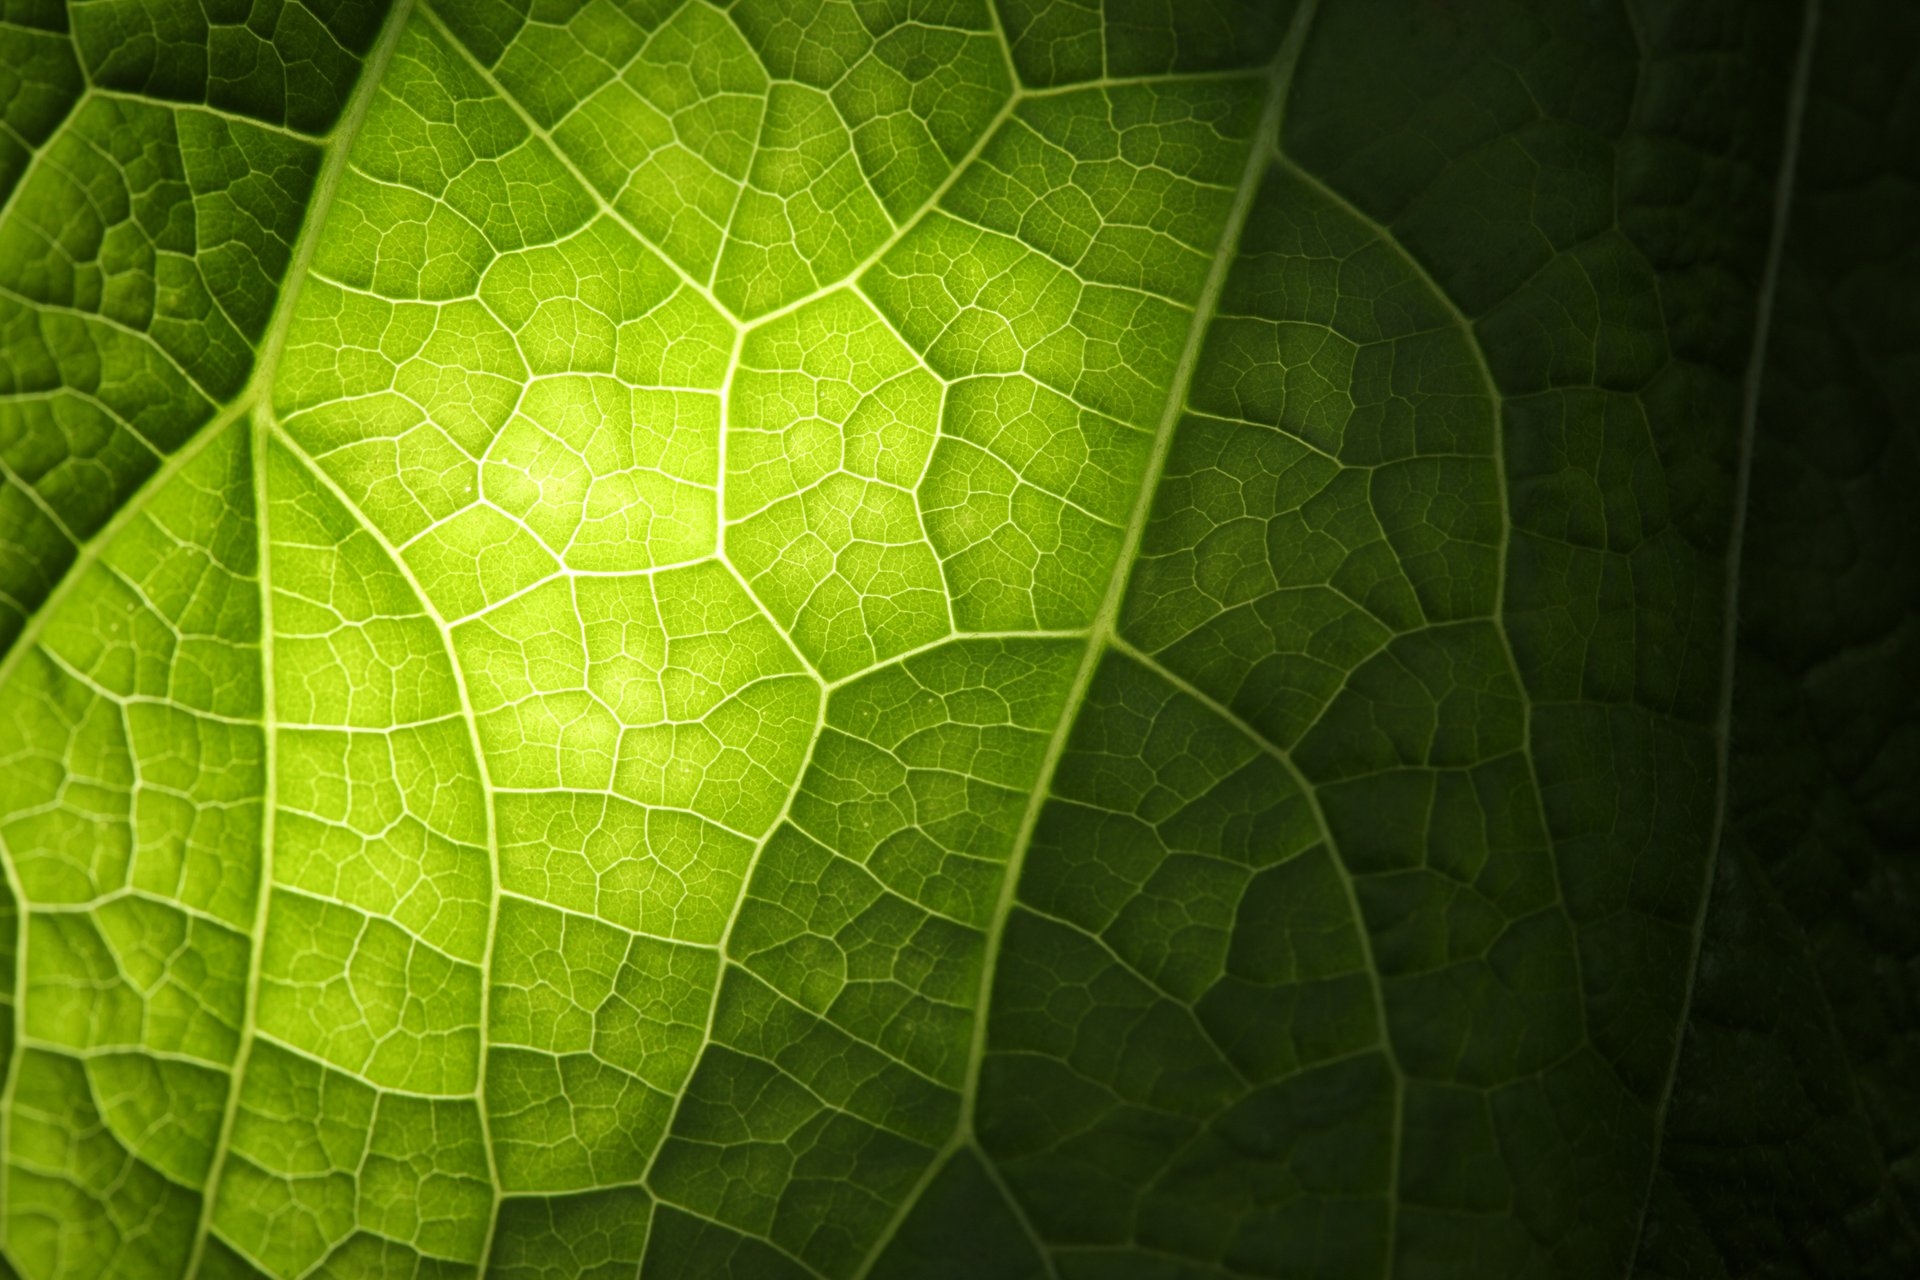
x=883 y=639
x=1794 y=1100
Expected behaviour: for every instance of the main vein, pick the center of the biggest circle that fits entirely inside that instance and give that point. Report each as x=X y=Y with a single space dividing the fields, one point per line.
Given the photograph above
x=1101 y=634
x=257 y=399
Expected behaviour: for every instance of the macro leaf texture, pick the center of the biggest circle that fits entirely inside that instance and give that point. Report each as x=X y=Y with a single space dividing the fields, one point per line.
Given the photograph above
x=943 y=639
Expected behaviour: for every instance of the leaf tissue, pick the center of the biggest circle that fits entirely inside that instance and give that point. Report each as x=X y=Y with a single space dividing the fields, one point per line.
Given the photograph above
x=959 y=639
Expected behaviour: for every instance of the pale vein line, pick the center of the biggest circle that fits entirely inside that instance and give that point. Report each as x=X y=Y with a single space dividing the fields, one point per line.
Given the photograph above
x=10 y=479
x=1348 y=881
x=1260 y=741
x=432 y=612
x=1736 y=538
x=955 y=636
x=146 y=337
x=334 y=165
x=54 y=135
x=1103 y=628
x=98 y=544
x=726 y=939
x=207 y=108
x=263 y=886
x=1496 y=401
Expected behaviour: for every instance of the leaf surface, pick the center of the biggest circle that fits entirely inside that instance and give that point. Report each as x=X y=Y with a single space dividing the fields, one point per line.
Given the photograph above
x=875 y=639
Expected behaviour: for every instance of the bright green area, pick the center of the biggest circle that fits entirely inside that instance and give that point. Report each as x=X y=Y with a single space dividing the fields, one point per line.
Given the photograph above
x=1047 y=639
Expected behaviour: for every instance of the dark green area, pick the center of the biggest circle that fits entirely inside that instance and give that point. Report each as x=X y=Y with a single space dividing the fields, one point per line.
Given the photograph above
x=1789 y=1146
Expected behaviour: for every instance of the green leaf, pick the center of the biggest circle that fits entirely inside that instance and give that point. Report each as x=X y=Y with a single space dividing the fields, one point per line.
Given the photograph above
x=933 y=638
x=1794 y=1104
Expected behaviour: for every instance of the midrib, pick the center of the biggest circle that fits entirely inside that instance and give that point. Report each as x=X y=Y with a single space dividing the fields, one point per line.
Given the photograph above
x=1100 y=635
x=258 y=399
x=257 y=392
